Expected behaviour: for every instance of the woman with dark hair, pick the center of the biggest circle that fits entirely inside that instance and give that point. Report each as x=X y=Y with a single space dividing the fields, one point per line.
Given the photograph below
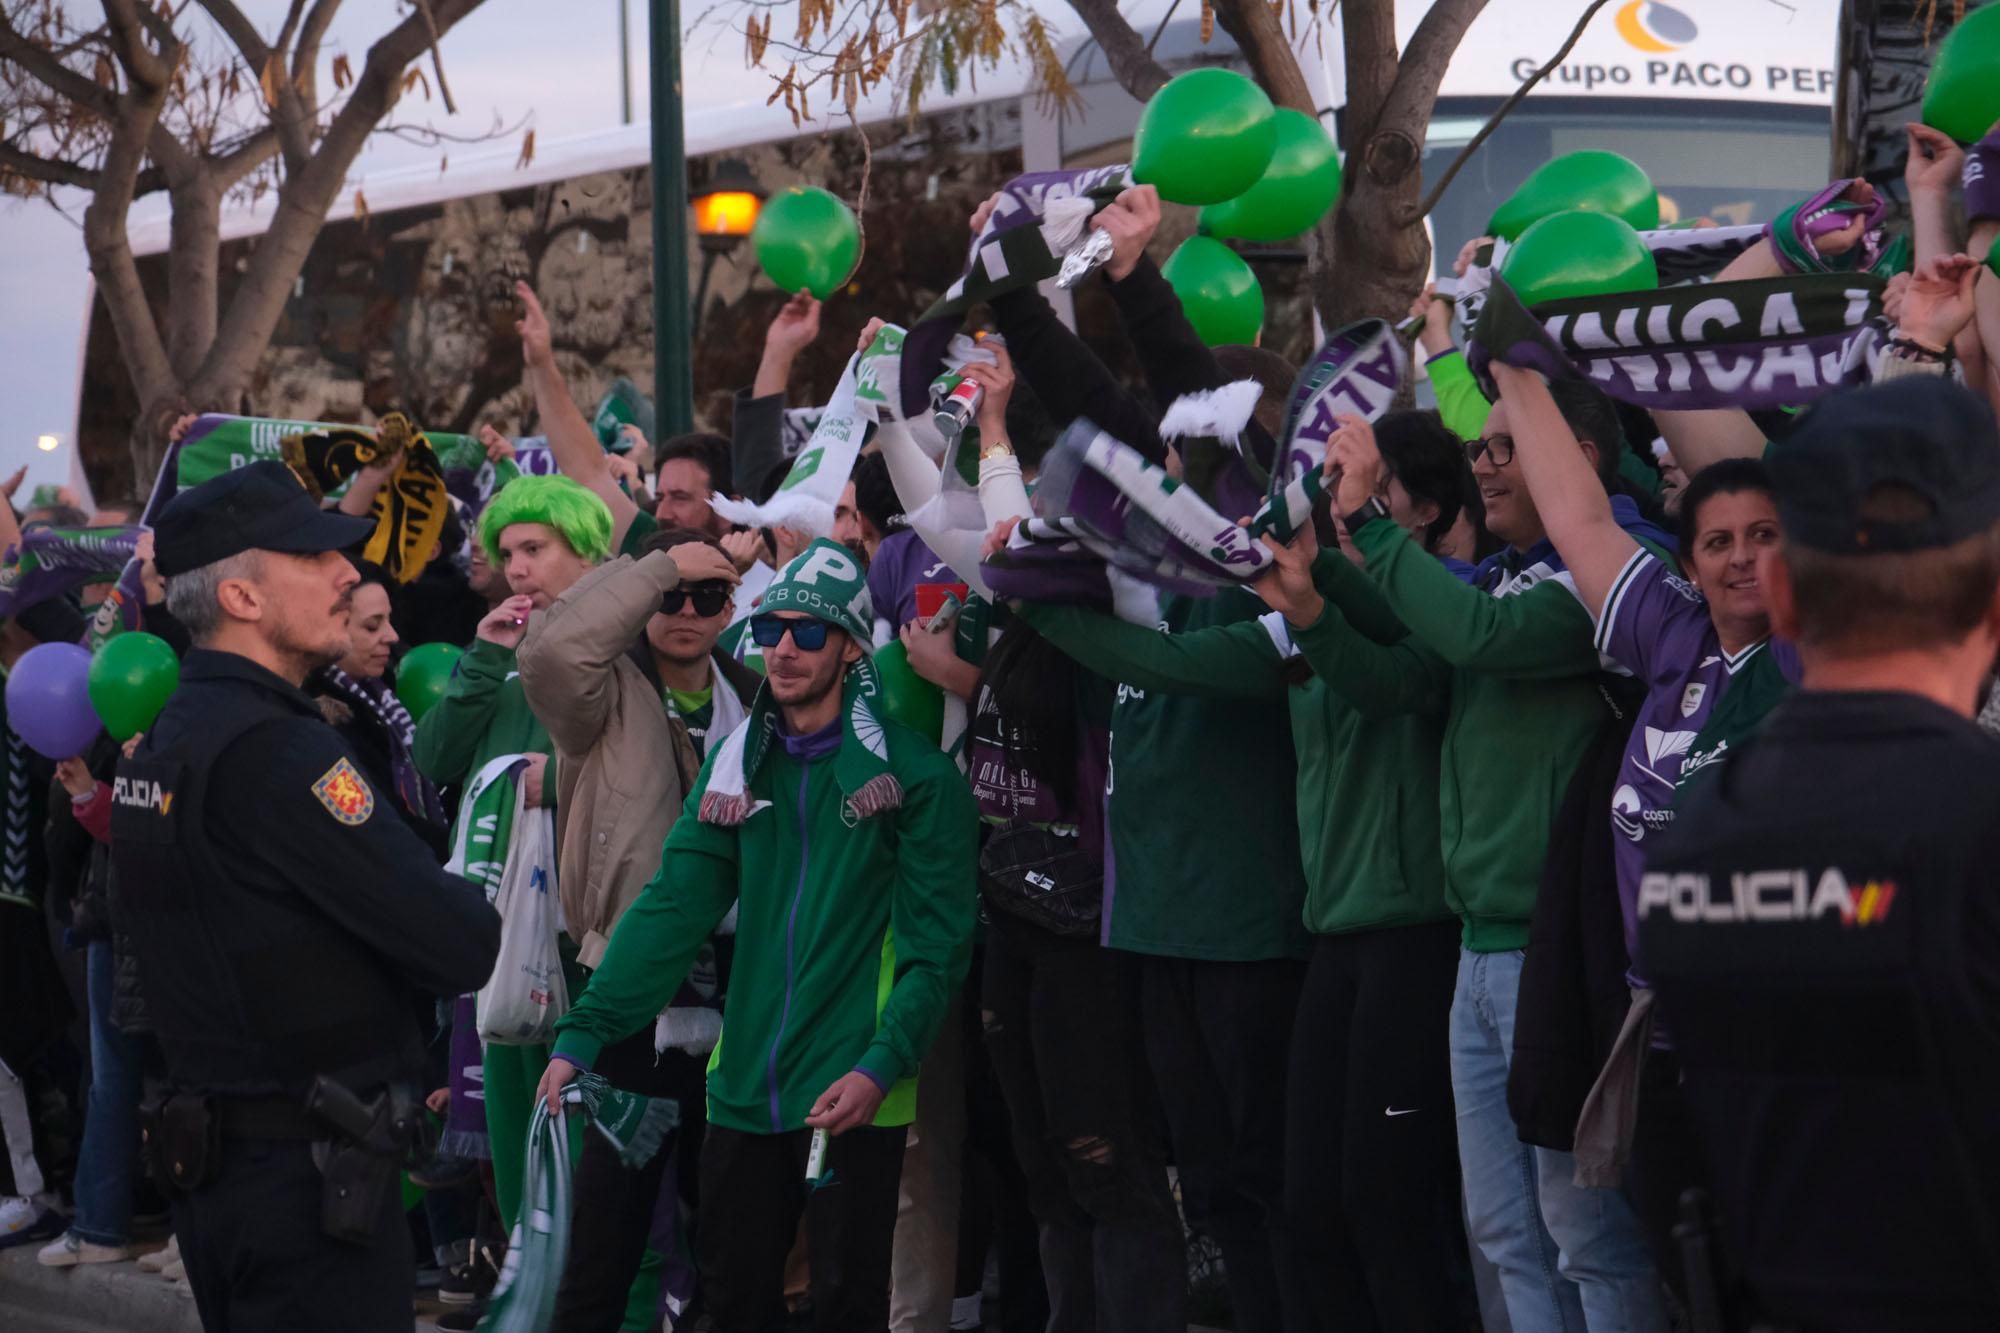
x=1061 y=1011
x=358 y=699
x=1371 y=1199
x=1699 y=638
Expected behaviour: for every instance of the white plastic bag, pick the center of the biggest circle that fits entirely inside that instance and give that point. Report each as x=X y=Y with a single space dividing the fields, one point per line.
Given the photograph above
x=526 y=994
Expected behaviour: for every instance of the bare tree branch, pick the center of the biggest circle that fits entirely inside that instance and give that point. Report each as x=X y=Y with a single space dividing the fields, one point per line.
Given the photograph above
x=305 y=56
x=1500 y=112
x=50 y=170
x=19 y=49
x=437 y=56
x=1131 y=62
x=243 y=157
x=1255 y=28
x=290 y=26
x=1368 y=42
x=288 y=111
x=110 y=248
x=128 y=42
x=306 y=196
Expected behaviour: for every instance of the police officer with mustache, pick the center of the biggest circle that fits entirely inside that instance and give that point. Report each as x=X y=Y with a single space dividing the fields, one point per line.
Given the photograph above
x=286 y=927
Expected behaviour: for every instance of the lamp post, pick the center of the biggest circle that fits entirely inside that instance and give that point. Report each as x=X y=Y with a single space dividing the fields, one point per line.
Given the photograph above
x=724 y=213
x=673 y=371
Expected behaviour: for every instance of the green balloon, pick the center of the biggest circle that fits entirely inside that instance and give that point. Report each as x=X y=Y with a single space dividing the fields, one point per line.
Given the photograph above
x=806 y=240
x=130 y=681
x=1219 y=294
x=1578 y=254
x=1592 y=180
x=424 y=674
x=1962 y=95
x=907 y=697
x=1205 y=137
x=1297 y=188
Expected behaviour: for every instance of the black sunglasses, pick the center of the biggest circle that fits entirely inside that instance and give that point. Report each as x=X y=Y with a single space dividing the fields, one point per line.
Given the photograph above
x=808 y=635
x=708 y=599
x=1500 y=448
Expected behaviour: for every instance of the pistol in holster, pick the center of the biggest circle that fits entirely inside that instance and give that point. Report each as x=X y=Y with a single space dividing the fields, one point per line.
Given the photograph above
x=361 y=1165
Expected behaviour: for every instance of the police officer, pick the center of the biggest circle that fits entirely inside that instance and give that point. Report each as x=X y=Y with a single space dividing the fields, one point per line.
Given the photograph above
x=286 y=924
x=1823 y=922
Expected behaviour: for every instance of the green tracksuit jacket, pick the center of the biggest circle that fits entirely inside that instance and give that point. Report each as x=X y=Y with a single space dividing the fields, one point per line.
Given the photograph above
x=1524 y=706
x=482 y=716
x=850 y=940
x=1367 y=748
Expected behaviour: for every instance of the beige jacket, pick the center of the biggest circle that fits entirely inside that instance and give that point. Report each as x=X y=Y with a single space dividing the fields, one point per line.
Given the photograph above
x=622 y=766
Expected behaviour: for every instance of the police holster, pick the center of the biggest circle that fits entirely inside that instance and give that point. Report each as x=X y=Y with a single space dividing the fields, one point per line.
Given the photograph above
x=182 y=1136
x=361 y=1165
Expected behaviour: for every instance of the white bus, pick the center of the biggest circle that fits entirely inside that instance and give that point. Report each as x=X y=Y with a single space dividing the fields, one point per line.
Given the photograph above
x=1725 y=103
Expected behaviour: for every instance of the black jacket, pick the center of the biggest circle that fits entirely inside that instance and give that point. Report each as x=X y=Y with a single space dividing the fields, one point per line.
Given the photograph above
x=1573 y=993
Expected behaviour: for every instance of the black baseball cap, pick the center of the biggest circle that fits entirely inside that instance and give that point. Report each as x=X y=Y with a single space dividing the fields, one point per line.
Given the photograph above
x=1925 y=436
x=258 y=507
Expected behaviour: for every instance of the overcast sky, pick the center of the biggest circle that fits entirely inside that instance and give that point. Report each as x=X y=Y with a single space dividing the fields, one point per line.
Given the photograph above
x=555 y=62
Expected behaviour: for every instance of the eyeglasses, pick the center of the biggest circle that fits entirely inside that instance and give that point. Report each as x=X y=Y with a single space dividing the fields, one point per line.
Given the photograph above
x=808 y=635
x=1499 y=448
x=708 y=599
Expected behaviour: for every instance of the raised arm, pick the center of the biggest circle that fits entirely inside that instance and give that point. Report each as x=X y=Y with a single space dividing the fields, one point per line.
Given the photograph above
x=574 y=444
x=1571 y=501
x=1224 y=661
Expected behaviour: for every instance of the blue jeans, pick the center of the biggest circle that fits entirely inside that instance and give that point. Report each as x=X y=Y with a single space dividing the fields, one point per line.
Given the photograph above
x=1569 y=1258
x=108 y=1160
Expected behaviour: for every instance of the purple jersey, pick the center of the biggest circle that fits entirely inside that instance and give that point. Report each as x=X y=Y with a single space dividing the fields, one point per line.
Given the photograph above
x=1656 y=625
x=902 y=565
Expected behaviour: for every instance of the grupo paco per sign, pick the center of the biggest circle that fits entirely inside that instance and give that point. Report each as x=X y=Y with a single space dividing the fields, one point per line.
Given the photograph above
x=1739 y=50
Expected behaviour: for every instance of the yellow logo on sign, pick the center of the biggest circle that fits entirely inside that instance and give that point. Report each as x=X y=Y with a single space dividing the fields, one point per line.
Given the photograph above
x=344 y=794
x=1647 y=25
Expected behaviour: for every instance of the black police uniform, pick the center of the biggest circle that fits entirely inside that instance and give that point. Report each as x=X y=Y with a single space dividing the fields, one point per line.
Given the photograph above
x=1822 y=924
x=285 y=926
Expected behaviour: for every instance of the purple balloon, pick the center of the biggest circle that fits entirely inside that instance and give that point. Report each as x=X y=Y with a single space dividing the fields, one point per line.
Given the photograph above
x=48 y=700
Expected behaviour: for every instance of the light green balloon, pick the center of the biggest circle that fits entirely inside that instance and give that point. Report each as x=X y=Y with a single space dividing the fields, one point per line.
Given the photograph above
x=1295 y=191
x=1205 y=137
x=1219 y=294
x=806 y=240
x=1578 y=254
x=1962 y=95
x=131 y=678
x=1592 y=180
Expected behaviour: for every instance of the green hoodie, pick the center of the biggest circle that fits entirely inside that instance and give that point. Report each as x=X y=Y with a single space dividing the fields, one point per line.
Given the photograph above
x=482 y=716
x=1367 y=773
x=1524 y=707
x=851 y=937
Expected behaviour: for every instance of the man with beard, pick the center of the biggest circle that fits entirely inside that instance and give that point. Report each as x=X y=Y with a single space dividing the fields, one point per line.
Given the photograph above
x=622 y=669
x=846 y=845
x=285 y=928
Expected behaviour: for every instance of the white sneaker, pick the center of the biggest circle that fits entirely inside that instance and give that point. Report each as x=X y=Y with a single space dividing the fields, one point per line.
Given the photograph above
x=70 y=1249
x=17 y=1214
x=160 y=1258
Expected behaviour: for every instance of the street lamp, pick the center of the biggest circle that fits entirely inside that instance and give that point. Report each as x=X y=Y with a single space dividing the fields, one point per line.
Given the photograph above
x=48 y=444
x=724 y=213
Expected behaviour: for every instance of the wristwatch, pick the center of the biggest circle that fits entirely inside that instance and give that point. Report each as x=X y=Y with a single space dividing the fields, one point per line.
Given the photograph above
x=1367 y=512
x=998 y=448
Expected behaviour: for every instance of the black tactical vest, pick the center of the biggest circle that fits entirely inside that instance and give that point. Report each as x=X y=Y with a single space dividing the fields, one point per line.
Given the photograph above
x=252 y=989
x=1817 y=926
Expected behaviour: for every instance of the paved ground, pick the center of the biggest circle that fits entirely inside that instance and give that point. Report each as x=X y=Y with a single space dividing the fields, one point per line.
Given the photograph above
x=98 y=1298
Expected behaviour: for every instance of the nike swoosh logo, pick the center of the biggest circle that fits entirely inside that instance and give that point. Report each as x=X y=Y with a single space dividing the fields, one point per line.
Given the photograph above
x=1390 y=1110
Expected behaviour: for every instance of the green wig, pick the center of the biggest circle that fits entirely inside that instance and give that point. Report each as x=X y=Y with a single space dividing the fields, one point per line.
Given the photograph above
x=557 y=502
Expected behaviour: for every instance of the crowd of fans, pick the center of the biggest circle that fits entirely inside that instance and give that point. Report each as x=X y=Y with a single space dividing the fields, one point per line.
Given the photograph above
x=1303 y=920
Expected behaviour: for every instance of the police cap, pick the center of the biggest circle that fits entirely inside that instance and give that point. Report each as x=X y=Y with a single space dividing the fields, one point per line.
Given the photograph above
x=258 y=507
x=1925 y=436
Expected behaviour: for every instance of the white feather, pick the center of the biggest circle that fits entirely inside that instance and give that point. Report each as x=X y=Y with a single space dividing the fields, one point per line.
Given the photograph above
x=1221 y=413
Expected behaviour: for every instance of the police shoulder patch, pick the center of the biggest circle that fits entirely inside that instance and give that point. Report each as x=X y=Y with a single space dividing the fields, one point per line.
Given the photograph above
x=345 y=794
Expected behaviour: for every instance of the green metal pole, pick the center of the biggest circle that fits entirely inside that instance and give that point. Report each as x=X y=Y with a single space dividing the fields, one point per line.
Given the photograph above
x=673 y=371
